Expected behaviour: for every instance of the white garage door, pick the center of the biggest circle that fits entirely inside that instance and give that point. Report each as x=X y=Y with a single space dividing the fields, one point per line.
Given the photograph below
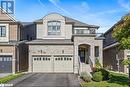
x=42 y=64
x=63 y=64
x=56 y=64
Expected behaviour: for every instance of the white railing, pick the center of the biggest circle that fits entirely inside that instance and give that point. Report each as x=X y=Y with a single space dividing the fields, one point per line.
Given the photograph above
x=90 y=62
x=83 y=31
x=87 y=32
x=79 y=65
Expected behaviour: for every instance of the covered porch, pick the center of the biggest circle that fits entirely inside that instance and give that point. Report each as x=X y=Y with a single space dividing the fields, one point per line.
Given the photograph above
x=84 y=53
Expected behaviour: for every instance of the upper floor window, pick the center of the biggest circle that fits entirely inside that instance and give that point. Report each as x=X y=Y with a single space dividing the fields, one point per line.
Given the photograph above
x=54 y=27
x=2 y=31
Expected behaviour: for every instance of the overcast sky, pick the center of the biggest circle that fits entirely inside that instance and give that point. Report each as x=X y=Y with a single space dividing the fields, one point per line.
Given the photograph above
x=104 y=13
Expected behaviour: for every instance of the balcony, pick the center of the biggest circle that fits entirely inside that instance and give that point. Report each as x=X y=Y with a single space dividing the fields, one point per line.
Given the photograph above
x=88 y=32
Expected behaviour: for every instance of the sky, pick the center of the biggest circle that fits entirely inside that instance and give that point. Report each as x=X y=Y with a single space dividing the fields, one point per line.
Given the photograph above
x=104 y=13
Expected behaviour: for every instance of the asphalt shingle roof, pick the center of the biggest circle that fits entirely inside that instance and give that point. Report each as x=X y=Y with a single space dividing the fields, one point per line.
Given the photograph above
x=75 y=22
x=50 y=41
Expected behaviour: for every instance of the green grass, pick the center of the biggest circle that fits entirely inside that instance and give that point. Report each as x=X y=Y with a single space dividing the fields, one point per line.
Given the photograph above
x=103 y=84
x=116 y=80
x=10 y=77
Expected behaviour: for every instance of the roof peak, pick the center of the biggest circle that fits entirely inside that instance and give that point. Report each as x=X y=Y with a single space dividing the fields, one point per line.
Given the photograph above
x=70 y=20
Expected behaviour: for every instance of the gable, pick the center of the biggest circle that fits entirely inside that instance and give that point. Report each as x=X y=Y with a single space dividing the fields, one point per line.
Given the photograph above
x=5 y=17
x=54 y=16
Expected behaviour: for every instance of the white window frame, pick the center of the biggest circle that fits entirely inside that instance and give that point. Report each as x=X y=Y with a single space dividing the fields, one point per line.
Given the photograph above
x=54 y=33
x=6 y=38
x=2 y=31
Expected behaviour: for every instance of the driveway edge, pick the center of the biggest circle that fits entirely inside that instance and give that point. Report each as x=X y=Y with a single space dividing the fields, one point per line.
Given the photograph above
x=80 y=81
x=19 y=79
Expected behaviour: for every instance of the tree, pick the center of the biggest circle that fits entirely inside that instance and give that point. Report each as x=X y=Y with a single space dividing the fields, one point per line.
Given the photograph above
x=121 y=33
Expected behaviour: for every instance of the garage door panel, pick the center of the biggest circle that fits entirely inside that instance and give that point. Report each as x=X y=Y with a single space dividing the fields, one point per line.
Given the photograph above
x=63 y=64
x=42 y=64
x=5 y=64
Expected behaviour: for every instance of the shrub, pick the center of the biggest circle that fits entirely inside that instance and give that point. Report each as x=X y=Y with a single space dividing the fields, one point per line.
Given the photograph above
x=97 y=76
x=86 y=77
x=105 y=74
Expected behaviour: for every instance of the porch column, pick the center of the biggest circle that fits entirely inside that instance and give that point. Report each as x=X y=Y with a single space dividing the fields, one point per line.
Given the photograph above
x=76 y=59
x=101 y=54
x=92 y=56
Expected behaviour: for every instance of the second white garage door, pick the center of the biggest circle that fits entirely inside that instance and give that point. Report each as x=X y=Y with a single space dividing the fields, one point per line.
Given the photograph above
x=55 y=64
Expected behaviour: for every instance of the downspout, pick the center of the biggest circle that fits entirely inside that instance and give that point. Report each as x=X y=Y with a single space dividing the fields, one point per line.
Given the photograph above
x=16 y=57
x=17 y=52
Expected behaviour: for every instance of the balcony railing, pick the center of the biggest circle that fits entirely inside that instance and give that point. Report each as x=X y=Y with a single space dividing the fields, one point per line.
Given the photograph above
x=87 y=32
x=84 y=31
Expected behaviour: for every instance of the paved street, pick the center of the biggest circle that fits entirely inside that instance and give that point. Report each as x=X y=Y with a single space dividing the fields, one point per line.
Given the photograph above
x=49 y=80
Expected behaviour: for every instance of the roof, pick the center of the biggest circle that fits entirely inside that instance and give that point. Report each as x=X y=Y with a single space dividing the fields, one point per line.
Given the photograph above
x=26 y=23
x=50 y=41
x=9 y=15
x=12 y=43
x=78 y=23
x=73 y=21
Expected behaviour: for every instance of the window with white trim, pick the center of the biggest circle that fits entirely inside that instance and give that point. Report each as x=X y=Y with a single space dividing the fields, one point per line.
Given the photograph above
x=96 y=51
x=2 y=31
x=54 y=27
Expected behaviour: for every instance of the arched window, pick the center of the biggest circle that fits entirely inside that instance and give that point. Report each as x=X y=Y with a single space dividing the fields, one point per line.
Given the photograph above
x=54 y=27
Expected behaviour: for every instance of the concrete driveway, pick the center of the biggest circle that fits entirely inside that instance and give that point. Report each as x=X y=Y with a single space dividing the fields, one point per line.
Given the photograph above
x=49 y=80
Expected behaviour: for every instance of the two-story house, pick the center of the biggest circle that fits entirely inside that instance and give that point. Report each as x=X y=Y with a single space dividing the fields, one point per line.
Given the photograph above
x=112 y=56
x=63 y=45
x=13 y=51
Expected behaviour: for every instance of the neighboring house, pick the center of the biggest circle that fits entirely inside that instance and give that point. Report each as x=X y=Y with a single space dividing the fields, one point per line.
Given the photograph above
x=63 y=45
x=13 y=51
x=112 y=56
x=28 y=31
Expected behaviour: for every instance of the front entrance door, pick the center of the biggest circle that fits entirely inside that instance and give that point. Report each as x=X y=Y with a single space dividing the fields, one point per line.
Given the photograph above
x=82 y=55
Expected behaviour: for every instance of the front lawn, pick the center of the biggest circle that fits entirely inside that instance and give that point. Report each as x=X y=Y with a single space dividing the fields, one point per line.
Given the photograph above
x=116 y=80
x=10 y=77
x=103 y=84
